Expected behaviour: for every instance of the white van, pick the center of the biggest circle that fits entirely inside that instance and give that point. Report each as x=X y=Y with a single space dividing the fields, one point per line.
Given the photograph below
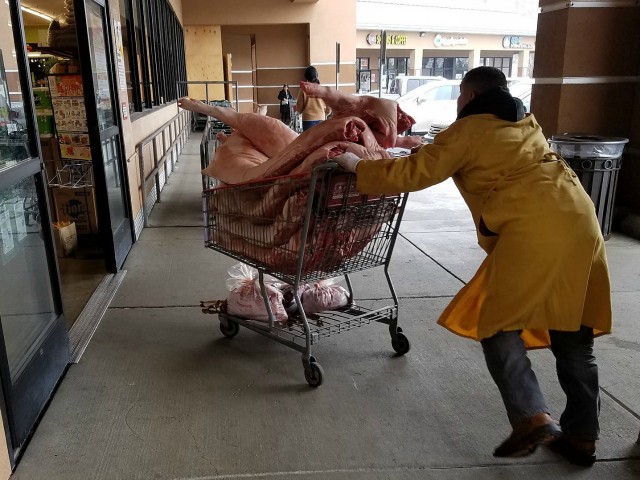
x=404 y=84
x=427 y=102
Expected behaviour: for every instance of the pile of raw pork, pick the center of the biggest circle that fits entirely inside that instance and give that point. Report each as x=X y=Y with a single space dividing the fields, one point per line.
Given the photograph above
x=261 y=219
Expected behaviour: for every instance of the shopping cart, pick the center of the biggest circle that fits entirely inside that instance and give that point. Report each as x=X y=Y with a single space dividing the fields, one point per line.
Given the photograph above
x=295 y=122
x=209 y=142
x=323 y=228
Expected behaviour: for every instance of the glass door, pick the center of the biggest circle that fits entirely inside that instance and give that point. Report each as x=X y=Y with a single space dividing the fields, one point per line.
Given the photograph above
x=94 y=41
x=34 y=344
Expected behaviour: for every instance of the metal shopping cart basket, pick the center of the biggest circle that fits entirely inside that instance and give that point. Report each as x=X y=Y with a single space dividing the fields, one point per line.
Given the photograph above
x=303 y=229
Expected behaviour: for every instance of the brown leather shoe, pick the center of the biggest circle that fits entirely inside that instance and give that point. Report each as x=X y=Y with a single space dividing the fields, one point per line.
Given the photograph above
x=527 y=435
x=577 y=451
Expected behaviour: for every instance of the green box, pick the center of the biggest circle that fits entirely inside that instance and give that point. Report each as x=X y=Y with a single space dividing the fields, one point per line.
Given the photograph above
x=46 y=125
x=42 y=98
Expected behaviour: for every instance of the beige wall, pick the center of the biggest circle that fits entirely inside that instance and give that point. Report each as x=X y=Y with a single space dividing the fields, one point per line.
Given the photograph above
x=288 y=37
x=330 y=21
x=280 y=57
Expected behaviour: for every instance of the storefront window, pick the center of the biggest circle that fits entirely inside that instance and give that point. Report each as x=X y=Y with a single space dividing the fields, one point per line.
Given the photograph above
x=100 y=70
x=125 y=15
x=451 y=68
x=25 y=291
x=156 y=51
x=14 y=138
x=397 y=65
x=362 y=63
x=501 y=63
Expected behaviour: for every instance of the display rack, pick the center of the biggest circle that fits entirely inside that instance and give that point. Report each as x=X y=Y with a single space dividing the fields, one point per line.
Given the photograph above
x=74 y=169
x=72 y=174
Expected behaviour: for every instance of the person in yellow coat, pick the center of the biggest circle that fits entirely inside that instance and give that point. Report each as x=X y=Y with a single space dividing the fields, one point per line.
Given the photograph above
x=545 y=279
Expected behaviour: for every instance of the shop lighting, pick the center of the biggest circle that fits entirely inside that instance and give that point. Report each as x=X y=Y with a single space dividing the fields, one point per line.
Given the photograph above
x=36 y=13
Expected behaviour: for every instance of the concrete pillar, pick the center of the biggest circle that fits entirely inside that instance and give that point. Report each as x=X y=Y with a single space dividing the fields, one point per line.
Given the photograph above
x=474 y=59
x=586 y=71
x=417 y=62
x=523 y=67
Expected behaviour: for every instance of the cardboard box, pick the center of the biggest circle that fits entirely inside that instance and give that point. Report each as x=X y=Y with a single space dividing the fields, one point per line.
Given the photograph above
x=66 y=238
x=77 y=205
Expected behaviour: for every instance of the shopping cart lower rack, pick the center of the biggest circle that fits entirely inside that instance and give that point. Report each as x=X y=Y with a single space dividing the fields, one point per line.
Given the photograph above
x=303 y=229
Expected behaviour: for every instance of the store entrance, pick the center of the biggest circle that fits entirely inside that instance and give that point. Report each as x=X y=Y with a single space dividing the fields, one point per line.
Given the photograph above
x=71 y=70
x=104 y=130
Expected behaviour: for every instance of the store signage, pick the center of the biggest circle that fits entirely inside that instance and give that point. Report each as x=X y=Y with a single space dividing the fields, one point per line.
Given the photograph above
x=440 y=41
x=376 y=38
x=514 y=42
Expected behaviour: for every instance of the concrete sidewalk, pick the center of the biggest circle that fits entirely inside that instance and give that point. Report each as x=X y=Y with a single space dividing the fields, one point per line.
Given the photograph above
x=161 y=394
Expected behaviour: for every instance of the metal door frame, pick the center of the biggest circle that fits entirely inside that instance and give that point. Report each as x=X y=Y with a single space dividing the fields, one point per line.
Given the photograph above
x=115 y=243
x=50 y=364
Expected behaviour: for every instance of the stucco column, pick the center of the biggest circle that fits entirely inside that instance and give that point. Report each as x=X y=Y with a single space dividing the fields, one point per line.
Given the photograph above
x=587 y=78
x=474 y=59
x=417 y=62
x=523 y=67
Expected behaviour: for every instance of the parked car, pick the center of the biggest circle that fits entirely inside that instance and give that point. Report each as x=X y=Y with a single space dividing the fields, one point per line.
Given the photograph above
x=404 y=84
x=447 y=116
x=426 y=102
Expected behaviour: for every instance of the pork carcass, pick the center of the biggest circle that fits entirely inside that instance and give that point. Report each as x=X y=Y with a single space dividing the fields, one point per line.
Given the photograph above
x=268 y=135
x=384 y=116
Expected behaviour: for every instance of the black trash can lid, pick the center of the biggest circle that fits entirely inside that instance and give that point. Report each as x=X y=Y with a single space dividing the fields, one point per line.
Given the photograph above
x=585 y=138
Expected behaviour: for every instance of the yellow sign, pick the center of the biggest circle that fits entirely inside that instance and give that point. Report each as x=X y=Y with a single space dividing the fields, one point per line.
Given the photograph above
x=376 y=39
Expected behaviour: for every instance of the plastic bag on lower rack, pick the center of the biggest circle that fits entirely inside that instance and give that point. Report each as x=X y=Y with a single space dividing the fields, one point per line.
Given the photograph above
x=245 y=298
x=324 y=295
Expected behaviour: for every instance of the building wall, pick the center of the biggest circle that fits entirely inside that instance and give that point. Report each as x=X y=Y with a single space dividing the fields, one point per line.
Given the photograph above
x=261 y=79
x=288 y=36
x=136 y=127
x=419 y=45
x=588 y=81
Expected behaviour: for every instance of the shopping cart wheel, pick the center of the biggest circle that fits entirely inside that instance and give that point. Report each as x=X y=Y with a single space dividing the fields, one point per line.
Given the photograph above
x=314 y=374
x=401 y=343
x=230 y=330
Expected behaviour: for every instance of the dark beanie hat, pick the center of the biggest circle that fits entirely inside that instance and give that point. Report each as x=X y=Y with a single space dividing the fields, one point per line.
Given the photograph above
x=311 y=75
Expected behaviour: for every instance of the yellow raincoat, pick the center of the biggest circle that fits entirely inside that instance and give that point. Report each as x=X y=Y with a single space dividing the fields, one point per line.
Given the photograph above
x=546 y=267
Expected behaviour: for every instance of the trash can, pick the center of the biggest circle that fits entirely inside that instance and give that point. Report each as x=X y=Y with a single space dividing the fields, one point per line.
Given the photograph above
x=596 y=161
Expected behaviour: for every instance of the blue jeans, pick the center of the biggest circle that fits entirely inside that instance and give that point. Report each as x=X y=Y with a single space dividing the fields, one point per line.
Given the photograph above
x=306 y=125
x=510 y=368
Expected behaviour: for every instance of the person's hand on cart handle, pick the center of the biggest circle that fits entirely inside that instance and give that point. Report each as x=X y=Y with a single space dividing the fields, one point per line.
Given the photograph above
x=191 y=104
x=348 y=161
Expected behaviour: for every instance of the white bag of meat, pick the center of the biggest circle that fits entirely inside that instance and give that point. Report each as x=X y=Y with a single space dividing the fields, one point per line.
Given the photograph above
x=290 y=304
x=324 y=295
x=245 y=298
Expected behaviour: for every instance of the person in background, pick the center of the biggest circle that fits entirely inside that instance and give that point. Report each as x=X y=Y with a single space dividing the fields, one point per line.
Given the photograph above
x=545 y=280
x=313 y=110
x=285 y=98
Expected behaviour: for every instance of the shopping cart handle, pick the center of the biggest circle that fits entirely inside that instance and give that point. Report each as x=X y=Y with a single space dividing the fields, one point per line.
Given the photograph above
x=330 y=164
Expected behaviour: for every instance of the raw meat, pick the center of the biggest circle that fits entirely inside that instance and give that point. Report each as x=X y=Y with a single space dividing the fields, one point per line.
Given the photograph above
x=324 y=296
x=268 y=135
x=384 y=116
x=245 y=298
x=234 y=157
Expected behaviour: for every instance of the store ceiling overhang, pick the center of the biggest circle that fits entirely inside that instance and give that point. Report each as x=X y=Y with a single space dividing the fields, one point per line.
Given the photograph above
x=52 y=8
x=424 y=18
